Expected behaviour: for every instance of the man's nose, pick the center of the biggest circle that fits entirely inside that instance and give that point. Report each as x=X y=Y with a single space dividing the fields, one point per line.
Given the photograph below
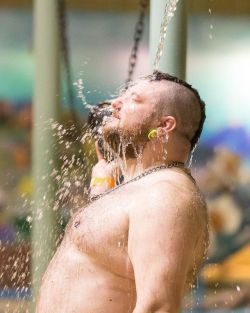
x=117 y=104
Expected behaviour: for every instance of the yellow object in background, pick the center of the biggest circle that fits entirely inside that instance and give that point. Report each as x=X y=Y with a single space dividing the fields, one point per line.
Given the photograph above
x=234 y=269
x=25 y=186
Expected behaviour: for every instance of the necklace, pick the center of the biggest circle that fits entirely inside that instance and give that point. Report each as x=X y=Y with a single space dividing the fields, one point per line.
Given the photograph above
x=147 y=172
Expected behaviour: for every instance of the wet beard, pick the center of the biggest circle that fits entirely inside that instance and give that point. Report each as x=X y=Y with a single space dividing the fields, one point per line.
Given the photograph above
x=125 y=144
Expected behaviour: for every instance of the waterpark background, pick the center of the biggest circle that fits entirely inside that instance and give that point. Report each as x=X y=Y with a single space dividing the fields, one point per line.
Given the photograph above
x=218 y=65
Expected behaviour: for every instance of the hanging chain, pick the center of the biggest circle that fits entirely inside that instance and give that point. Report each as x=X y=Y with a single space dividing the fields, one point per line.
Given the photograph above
x=170 y=8
x=139 y=28
x=76 y=133
x=66 y=59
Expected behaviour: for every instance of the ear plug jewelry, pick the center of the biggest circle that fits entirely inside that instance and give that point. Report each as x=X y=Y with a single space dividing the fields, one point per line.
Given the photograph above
x=152 y=134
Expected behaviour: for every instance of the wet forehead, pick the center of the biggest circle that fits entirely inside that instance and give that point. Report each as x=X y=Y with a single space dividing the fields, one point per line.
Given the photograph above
x=147 y=89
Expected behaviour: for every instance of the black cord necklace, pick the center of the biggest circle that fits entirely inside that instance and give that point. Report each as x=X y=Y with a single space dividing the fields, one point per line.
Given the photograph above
x=147 y=172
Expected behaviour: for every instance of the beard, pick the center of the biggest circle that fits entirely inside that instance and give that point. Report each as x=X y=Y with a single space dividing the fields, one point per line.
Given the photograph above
x=123 y=142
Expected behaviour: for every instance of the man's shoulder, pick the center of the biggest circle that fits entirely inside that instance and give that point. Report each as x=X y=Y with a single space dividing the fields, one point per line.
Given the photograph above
x=180 y=186
x=171 y=193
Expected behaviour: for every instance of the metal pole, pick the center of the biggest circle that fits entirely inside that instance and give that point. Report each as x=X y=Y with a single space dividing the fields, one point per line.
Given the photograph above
x=45 y=108
x=173 y=60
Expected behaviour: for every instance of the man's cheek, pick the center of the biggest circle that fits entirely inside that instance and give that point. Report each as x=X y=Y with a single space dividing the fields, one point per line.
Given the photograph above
x=130 y=108
x=132 y=127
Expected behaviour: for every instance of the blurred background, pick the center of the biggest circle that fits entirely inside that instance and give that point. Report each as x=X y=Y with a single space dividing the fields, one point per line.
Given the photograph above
x=99 y=35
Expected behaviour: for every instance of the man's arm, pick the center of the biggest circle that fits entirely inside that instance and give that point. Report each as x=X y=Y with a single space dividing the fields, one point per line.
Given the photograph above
x=162 y=238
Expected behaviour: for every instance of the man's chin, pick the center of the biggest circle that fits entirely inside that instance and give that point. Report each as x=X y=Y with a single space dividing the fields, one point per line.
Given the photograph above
x=122 y=144
x=112 y=138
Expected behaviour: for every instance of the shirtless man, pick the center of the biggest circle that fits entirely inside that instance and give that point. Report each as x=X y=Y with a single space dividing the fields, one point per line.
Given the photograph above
x=137 y=248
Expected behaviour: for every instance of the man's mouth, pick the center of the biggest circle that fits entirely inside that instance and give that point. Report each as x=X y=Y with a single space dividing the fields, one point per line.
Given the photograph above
x=108 y=119
x=115 y=114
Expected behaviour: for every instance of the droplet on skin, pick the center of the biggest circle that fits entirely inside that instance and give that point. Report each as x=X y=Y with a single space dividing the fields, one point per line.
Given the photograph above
x=238 y=288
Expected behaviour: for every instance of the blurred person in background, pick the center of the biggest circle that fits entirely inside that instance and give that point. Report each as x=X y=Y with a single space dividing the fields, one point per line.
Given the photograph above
x=225 y=182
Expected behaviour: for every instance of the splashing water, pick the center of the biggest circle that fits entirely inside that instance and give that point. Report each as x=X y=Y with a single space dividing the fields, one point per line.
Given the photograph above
x=168 y=14
x=192 y=156
x=80 y=88
x=210 y=26
x=79 y=85
x=72 y=177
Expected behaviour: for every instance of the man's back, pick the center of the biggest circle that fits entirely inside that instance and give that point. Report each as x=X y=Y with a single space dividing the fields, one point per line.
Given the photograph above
x=118 y=254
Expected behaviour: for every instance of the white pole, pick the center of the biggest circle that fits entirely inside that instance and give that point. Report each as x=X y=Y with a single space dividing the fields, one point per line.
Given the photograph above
x=46 y=45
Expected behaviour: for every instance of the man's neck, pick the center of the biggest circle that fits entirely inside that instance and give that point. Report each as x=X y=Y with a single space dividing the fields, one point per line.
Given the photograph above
x=150 y=157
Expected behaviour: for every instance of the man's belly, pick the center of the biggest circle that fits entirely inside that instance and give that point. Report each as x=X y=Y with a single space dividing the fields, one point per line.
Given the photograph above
x=76 y=283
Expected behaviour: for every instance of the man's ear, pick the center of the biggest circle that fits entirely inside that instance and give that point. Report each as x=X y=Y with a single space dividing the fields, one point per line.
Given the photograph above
x=169 y=123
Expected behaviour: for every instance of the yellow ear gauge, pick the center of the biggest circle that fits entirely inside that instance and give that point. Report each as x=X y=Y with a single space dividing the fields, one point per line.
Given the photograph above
x=152 y=134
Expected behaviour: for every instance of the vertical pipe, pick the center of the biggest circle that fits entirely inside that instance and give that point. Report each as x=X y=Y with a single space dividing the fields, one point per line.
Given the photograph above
x=45 y=108
x=173 y=60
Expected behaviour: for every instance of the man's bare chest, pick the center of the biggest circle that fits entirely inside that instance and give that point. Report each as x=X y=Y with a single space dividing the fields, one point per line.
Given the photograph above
x=100 y=231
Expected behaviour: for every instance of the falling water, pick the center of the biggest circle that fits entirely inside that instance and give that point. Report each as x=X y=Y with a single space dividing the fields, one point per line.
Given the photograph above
x=170 y=8
x=192 y=156
x=211 y=25
x=80 y=88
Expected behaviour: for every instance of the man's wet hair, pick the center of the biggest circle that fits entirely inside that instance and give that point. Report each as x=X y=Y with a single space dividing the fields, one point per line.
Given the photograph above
x=158 y=76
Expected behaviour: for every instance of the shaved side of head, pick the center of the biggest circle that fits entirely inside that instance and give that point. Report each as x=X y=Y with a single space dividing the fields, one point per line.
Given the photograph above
x=179 y=102
x=182 y=101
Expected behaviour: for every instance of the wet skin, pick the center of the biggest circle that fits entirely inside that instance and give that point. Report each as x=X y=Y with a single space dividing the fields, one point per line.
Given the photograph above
x=113 y=260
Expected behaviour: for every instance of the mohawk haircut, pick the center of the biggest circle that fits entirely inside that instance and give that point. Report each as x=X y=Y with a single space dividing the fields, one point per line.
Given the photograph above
x=157 y=76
